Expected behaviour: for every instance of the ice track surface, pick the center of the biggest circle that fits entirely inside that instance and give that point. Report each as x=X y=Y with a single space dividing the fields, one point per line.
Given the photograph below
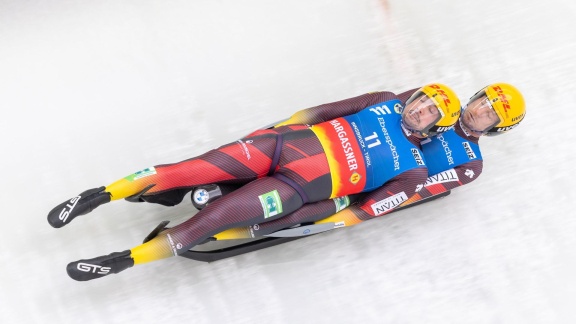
x=93 y=91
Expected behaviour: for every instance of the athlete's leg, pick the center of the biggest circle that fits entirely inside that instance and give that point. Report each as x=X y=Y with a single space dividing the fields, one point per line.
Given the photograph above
x=238 y=162
x=334 y=212
x=303 y=163
x=303 y=177
x=308 y=213
x=259 y=201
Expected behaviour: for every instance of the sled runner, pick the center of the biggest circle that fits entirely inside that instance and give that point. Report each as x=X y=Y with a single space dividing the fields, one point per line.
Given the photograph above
x=204 y=253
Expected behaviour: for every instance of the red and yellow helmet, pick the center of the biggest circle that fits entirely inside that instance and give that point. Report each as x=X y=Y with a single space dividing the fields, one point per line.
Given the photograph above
x=507 y=104
x=443 y=98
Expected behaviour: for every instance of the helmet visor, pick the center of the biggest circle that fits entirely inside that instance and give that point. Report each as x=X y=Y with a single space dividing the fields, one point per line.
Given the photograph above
x=479 y=115
x=421 y=113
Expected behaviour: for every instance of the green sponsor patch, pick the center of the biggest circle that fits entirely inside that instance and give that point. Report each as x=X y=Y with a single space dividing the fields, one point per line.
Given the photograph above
x=141 y=174
x=341 y=203
x=271 y=203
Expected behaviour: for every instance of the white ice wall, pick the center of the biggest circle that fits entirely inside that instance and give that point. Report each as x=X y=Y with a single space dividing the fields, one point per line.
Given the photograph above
x=93 y=91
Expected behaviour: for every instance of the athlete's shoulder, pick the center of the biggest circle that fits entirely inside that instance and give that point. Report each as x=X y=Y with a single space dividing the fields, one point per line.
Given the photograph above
x=382 y=95
x=403 y=96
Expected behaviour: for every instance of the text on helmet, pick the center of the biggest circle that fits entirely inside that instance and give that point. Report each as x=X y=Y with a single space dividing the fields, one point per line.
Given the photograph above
x=502 y=97
x=442 y=93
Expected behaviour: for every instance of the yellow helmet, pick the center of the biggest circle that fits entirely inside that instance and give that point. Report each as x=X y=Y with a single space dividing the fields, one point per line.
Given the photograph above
x=507 y=103
x=445 y=100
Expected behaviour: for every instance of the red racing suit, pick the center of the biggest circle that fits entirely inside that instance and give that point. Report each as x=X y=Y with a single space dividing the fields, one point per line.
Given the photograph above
x=454 y=161
x=291 y=171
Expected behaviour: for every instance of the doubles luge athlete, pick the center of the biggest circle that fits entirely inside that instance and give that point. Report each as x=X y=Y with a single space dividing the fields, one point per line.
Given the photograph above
x=367 y=144
x=453 y=159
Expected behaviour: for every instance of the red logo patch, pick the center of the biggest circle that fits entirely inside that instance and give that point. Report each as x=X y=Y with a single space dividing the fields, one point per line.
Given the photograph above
x=502 y=97
x=442 y=93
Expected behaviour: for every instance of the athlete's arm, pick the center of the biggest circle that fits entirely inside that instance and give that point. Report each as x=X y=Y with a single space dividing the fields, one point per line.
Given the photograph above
x=380 y=201
x=403 y=96
x=447 y=180
x=325 y=112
